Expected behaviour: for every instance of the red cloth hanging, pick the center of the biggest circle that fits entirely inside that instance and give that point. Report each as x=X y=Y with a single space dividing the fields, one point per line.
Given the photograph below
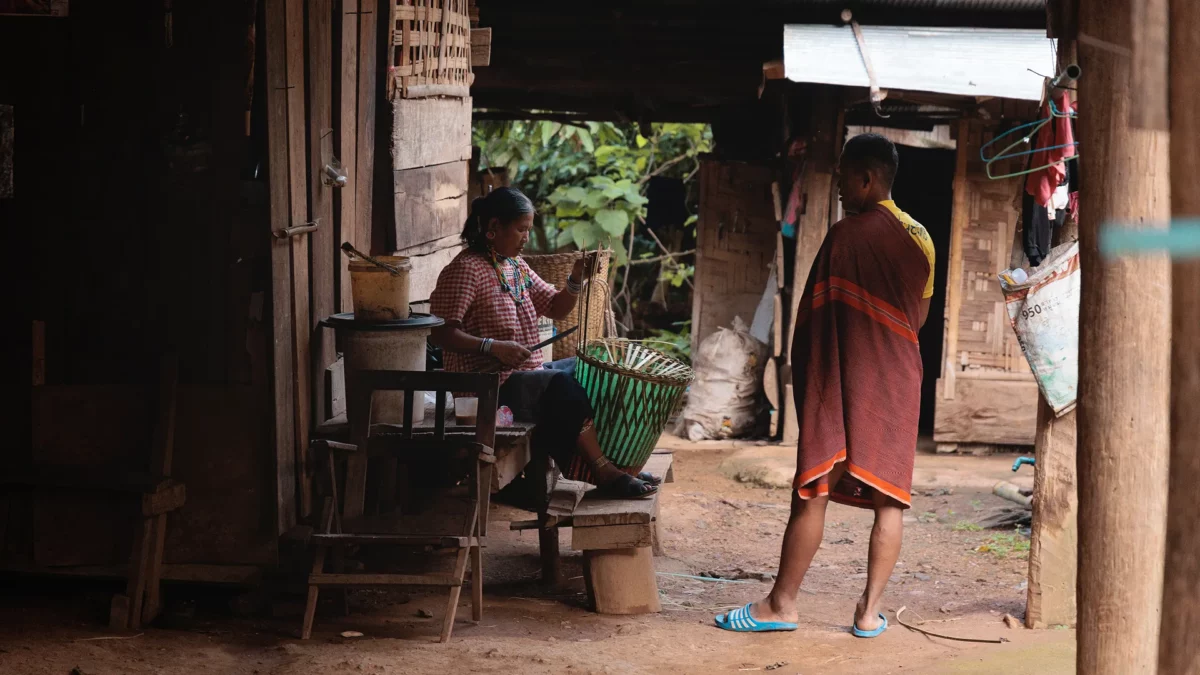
x=1041 y=184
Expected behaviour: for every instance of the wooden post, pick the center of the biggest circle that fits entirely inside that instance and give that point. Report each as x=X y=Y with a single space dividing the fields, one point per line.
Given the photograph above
x=281 y=266
x=325 y=253
x=1180 y=640
x=1124 y=359
x=348 y=145
x=818 y=188
x=959 y=220
x=1054 y=539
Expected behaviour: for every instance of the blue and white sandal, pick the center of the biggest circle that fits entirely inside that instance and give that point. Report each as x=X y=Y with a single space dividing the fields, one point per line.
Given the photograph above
x=740 y=621
x=860 y=633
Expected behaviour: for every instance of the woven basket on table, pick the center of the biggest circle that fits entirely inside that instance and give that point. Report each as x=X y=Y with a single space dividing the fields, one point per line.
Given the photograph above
x=634 y=390
x=555 y=268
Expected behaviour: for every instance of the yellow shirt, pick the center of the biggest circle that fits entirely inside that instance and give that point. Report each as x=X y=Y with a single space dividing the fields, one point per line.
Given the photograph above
x=919 y=235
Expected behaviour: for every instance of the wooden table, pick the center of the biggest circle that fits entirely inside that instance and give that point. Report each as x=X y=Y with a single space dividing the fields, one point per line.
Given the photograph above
x=512 y=442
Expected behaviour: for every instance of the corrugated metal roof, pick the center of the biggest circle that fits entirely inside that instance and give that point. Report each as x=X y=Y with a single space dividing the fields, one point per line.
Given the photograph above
x=965 y=61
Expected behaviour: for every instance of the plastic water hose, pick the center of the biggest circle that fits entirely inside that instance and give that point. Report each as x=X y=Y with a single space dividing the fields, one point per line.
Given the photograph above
x=1023 y=460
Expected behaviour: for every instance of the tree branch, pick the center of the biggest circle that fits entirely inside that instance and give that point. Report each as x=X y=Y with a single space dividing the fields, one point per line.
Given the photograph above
x=669 y=256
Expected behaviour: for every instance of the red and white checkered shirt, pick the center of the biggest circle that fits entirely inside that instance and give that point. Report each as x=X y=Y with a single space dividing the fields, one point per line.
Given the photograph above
x=468 y=294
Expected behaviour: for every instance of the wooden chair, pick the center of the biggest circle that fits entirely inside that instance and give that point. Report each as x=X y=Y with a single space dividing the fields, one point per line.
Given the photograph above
x=438 y=456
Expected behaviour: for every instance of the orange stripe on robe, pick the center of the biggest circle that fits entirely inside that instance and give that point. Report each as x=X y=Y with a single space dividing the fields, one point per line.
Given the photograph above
x=856 y=362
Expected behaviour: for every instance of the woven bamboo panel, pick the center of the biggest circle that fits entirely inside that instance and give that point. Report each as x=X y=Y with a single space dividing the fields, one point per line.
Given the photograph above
x=431 y=49
x=986 y=342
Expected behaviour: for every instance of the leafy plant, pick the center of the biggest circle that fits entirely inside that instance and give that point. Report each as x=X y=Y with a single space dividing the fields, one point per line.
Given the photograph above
x=588 y=181
x=676 y=344
x=966 y=526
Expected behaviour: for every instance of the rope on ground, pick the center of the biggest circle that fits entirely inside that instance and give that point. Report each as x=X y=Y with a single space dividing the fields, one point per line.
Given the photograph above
x=930 y=633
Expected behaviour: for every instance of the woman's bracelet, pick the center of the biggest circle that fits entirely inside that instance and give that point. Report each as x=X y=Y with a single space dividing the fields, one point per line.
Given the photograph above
x=485 y=347
x=574 y=287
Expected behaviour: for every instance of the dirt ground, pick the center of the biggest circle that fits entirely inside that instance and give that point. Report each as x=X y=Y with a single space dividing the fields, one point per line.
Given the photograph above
x=959 y=579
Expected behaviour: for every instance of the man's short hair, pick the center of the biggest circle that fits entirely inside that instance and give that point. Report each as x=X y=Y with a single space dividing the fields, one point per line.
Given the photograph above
x=873 y=153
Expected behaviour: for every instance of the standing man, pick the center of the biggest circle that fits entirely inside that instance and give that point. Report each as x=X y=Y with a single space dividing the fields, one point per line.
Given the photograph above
x=856 y=365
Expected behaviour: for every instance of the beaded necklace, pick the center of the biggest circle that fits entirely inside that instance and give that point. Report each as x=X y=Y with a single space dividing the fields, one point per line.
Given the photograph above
x=521 y=282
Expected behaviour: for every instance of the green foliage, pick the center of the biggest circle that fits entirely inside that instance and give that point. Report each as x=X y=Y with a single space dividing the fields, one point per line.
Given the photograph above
x=588 y=178
x=1003 y=545
x=675 y=344
x=966 y=526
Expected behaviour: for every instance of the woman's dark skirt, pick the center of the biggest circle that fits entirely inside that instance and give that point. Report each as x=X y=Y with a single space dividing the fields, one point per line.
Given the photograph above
x=553 y=399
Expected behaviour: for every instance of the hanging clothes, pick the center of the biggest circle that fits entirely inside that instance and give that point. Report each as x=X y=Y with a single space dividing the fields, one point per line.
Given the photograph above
x=1057 y=140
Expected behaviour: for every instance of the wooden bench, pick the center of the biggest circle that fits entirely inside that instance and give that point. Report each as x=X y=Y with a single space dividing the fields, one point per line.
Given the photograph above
x=619 y=539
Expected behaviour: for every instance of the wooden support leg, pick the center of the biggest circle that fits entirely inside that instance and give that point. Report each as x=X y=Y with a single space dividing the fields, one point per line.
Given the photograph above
x=154 y=570
x=477 y=583
x=341 y=596
x=310 y=607
x=547 y=535
x=622 y=581
x=460 y=568
x=139 y=562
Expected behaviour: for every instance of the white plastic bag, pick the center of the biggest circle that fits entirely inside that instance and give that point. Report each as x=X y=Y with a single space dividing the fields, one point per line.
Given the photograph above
x=1044 y=312
x=723 y=399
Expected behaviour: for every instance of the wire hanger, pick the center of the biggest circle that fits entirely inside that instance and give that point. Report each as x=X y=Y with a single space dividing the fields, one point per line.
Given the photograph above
x=1029 y=131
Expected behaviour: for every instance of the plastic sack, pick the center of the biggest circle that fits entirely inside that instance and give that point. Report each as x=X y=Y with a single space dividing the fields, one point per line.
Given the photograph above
x=1044 y=313
x=723 y=400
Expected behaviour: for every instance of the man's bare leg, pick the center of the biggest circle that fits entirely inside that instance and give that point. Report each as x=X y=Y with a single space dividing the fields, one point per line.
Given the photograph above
x=886 y=537
x=801 y=540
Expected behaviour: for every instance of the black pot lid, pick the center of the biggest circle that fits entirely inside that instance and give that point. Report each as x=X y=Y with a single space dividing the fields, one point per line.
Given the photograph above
x=346 y=321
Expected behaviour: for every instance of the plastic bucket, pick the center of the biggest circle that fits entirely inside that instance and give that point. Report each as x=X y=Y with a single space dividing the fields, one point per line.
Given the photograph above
x=378 y=294
x=389 y=350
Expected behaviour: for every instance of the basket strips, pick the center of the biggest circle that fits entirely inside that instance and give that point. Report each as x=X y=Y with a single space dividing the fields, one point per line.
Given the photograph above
x=634 y=390
x=431 y=48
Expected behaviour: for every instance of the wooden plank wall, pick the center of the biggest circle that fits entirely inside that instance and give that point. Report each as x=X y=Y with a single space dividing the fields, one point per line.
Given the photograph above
x=986 y=394
x=431 y=150
x=736 y=244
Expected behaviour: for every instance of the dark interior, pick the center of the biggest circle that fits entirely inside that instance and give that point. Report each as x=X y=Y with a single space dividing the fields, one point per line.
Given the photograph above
x=924 y=188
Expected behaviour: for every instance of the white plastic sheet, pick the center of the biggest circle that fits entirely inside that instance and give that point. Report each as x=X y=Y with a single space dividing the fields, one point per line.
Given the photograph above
x=1044 y=312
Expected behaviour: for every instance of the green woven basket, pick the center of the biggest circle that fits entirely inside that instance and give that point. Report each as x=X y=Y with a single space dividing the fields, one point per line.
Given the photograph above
x=634 y=390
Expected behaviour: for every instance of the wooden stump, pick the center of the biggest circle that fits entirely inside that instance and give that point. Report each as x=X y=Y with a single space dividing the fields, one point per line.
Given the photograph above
x=621 y=581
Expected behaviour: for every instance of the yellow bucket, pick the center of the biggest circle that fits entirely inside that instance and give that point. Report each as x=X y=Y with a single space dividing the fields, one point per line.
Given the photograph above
x=378 y=294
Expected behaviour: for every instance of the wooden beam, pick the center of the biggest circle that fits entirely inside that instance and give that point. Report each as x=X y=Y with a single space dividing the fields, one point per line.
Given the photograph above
x=283 y=387
x=1179 y=643
x=818 y=186
x=1054 y=538
x=298 y=191
x=325 y=253
x=960 y=219
x=347 y=144
x=481 y=47
x=1124 y=359
x=368 y=82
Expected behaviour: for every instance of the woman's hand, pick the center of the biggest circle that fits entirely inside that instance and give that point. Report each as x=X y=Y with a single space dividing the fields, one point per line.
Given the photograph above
x=510 y=354
x=582 y=268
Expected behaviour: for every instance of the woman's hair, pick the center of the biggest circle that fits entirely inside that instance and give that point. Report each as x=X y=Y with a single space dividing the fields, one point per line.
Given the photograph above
x=506 y=204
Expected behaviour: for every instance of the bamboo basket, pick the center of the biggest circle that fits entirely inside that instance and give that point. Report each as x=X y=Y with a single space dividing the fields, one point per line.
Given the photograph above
x=555 y=268
x=634 y=390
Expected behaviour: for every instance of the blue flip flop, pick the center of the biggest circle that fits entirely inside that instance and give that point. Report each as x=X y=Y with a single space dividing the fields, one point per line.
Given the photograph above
x=858 y=632
x=740 y=621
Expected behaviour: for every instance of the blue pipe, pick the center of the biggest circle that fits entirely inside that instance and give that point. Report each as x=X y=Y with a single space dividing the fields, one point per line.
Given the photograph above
x=1023 y=460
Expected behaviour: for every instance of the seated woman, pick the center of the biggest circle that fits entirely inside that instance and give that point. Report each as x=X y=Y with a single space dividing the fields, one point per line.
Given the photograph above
x=490 y=301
